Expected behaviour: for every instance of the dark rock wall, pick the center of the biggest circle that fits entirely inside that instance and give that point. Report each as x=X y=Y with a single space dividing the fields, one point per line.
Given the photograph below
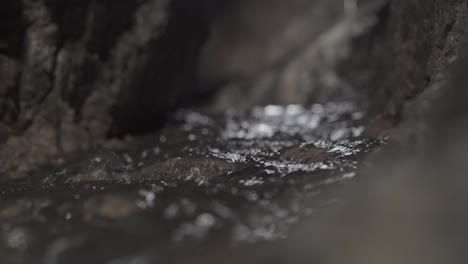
x=75 y=72
x=11 y=42
x=421 y=41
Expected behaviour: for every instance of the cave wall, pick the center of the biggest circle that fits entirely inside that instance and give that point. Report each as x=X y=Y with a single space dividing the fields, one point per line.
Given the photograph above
x=421 y=40
x=75 y=72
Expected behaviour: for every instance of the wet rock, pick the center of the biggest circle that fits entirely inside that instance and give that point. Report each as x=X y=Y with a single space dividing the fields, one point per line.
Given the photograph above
x=307 y=154
x=103 y=165
x=197 y=169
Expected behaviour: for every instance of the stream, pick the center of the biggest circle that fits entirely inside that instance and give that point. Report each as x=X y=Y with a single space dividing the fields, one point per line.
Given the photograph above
x=201 y=182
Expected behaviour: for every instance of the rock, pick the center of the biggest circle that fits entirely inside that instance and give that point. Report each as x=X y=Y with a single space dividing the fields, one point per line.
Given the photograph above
x=75 y=72
x=307 y=154
x=420 y=42
x=188 y=168
x=100 y=166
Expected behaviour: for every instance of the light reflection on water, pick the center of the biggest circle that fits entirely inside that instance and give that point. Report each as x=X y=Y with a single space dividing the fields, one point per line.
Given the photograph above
x=240 y=178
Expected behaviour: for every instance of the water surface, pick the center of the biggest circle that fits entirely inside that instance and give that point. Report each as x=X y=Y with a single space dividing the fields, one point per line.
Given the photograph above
x=199 y=184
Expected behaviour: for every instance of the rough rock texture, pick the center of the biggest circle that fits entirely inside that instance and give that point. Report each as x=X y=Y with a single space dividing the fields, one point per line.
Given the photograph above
x=74 y=72
x=420 y=42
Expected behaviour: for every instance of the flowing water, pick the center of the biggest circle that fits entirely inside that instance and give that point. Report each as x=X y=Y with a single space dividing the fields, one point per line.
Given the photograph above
x=202 y=182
